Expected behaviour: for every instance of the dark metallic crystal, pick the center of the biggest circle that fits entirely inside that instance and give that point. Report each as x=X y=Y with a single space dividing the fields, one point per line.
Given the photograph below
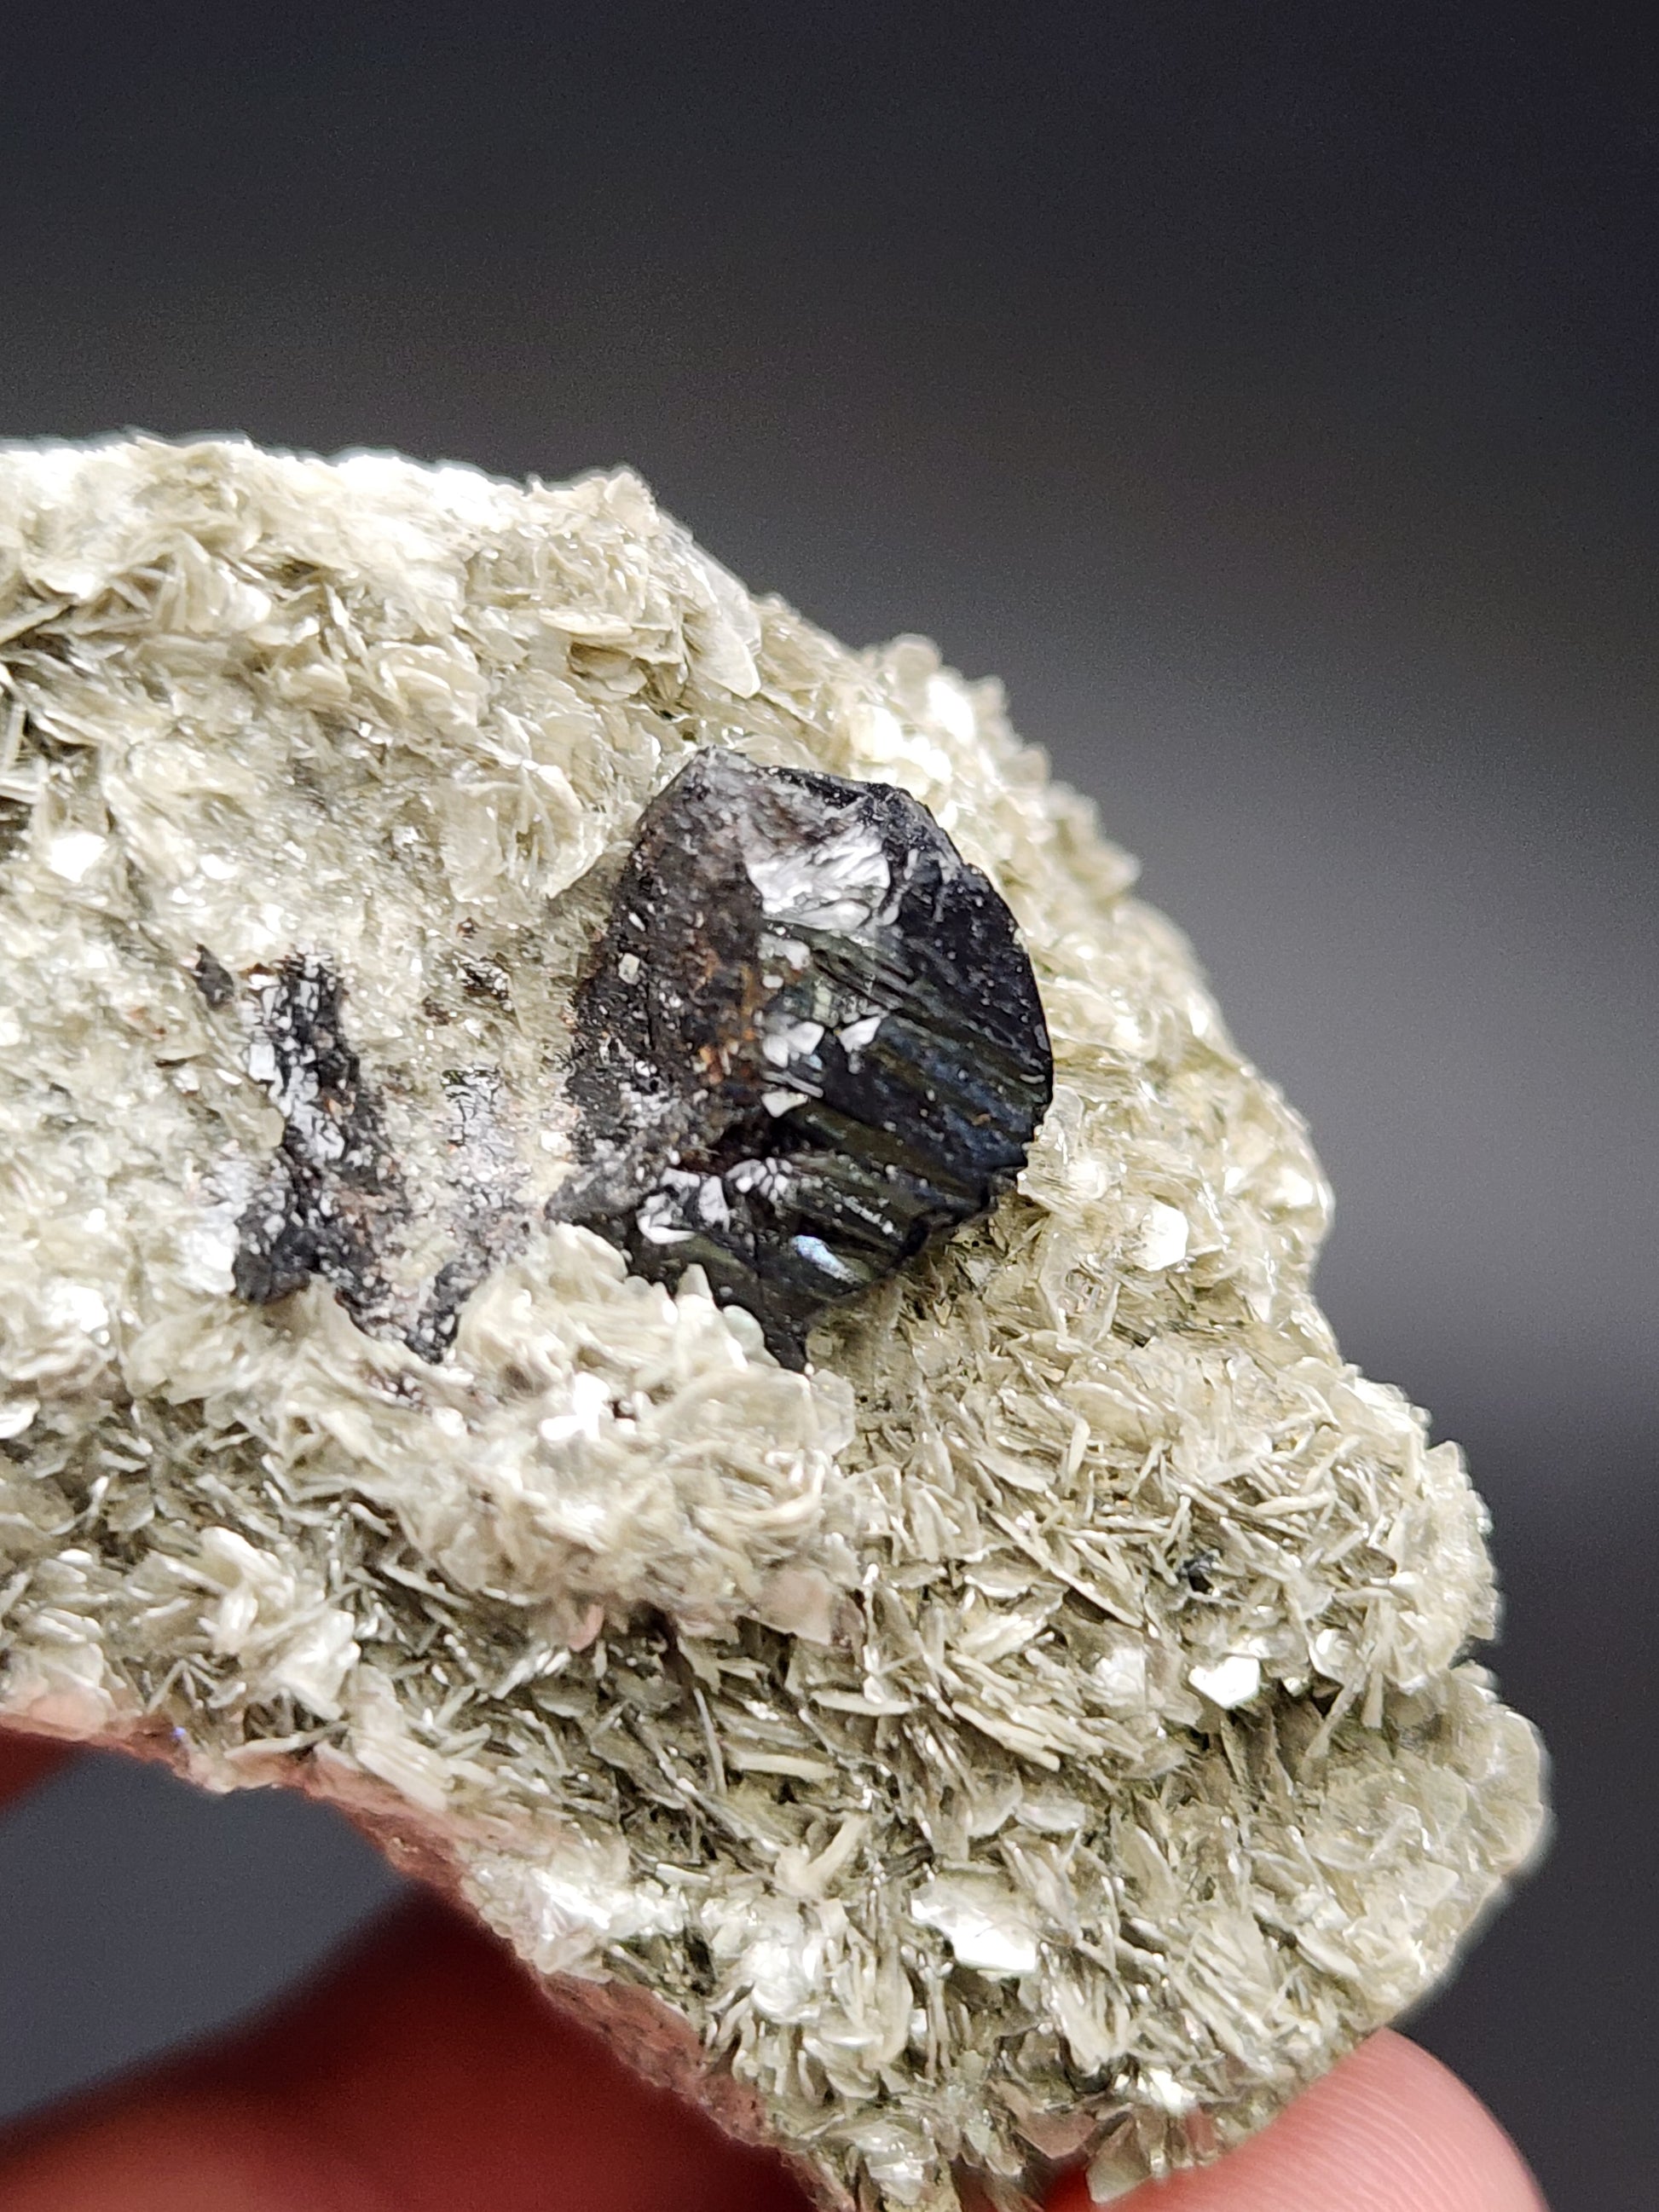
x=810 y=1045
x=333 y=1201
x=319 y=1210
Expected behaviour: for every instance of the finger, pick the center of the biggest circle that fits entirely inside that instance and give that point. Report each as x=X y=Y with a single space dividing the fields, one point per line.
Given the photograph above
x=1389 y=2130
x=430 y=2075
x=25 y=1760
x=425 y=2076
x=187 y=2154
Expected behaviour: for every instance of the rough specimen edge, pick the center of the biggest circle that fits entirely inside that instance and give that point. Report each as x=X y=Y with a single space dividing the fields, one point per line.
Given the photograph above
x=660 y=2046
x=1041 y=1730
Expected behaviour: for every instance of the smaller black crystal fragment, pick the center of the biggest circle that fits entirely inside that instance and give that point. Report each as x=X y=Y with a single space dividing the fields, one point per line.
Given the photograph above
x=213 y=979
x=334 y=1201
x=809 y=1044
x=316 y=1211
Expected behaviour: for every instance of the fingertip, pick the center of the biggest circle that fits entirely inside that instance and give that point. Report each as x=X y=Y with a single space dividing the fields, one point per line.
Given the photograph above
x=179 y=2152
x=425 y=2073
x=26 y=1760
x=1391 y=2130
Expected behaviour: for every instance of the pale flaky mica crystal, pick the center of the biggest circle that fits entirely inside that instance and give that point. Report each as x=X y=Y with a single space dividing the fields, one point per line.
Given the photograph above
x=1042 y=1730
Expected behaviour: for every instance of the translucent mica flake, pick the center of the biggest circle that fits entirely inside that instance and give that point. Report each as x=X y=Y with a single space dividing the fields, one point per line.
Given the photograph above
x=624 y=1253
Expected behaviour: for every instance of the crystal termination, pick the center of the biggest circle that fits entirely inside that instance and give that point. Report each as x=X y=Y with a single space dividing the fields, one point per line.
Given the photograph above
x=811 y=1045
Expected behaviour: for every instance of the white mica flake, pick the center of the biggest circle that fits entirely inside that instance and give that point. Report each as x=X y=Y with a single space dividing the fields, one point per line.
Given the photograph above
x=658 y=1220
x=783 y=1965
x=277 y=1622
x=563 y=1905
x=61 y=1687
x=383 y=1743
x=896 y=2160
x=1163 y=1239
x=589 y=1404
x=836 y=884
x=15 y=1415
x=74 y=855
x=787 y=1041
x=1165 y=2092
x=1293 y=1187
x=207 y=1252
x=987 y=1925
x=1120 y=1677
x=77 y=1305
x=950 y=706
x=1230 y=1681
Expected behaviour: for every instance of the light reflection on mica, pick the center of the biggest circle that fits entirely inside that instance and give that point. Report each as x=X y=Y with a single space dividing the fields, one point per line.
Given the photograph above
x=771 y=1691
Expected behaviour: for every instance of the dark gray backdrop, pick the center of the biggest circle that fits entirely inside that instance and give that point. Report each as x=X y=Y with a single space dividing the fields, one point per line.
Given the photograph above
x=1269 y=396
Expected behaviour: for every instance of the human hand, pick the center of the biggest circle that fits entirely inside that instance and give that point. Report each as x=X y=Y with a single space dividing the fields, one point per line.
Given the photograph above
x=426 y=2074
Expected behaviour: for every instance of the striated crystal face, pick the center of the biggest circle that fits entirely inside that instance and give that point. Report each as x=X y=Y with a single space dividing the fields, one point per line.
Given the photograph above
x=811 y=1043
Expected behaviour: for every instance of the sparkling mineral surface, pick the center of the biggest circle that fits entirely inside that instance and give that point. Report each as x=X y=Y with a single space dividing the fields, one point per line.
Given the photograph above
x=811 y=1043
x=1041 y=1726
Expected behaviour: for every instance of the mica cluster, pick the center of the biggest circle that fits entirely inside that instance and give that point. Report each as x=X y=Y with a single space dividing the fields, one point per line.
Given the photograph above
x=997 y=1698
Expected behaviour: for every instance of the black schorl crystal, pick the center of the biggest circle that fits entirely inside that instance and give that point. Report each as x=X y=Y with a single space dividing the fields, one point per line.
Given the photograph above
x=810 y=1045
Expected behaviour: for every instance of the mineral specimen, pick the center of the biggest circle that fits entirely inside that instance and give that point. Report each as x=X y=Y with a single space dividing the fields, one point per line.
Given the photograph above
x=1040 y=1727
x=811 y=1043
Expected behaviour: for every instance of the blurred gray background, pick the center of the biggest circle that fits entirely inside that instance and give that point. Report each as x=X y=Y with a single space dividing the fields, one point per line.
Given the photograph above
x=1269 y=396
